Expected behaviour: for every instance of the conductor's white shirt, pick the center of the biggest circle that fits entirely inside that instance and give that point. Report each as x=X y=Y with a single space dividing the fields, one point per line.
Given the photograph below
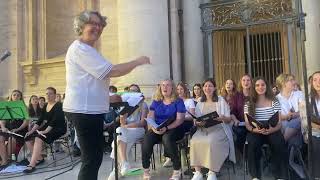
x=87 y=91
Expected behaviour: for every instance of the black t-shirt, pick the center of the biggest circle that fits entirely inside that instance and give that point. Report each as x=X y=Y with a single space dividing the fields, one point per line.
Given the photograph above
x=53 y=118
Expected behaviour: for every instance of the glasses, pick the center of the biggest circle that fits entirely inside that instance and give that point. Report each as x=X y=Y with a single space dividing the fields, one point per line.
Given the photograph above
x=96 y=24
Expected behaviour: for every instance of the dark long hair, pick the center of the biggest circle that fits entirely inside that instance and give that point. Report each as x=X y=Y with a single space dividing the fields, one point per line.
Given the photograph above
x=313 y=92
x=201 y=92
x=214 y=94
x=34 y=112
x=254 y=95
x=135 y=85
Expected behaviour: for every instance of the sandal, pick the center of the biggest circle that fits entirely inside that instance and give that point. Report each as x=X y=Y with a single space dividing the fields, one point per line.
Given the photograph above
x=29 y=169
x=4 y=166
x=146 y=175
x=39 y=162
x=177 y=174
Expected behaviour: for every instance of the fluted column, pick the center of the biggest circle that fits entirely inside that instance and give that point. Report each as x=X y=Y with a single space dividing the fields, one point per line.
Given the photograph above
x=311 y=8
x=193 y=41
x=138 y=28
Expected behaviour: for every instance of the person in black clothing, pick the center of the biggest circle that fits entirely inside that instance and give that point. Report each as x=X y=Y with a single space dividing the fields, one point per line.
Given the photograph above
x=16 y=126
x=42 y=102
x=34 y=111
x=54 y=128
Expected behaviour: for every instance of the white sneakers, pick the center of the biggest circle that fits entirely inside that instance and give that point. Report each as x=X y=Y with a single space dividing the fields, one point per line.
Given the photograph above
x=198 y=176
x=211 y=176
x=255 y=179
x=112 y=175
x=167 y=163
x=176 y=175
x=124 y=168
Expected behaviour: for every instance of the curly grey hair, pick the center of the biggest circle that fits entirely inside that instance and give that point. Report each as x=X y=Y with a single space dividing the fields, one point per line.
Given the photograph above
x=83 y=18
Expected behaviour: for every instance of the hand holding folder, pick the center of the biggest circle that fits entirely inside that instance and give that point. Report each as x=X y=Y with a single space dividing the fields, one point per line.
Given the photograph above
x=156 y=126
x=273 y=121
x=208 y=119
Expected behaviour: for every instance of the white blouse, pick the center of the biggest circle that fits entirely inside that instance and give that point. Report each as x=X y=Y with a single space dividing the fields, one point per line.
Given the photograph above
x=292 y=102
x=87 y=91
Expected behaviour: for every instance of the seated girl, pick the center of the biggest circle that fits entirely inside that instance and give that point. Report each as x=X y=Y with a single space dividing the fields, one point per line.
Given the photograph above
x=184 y=94
x=18 y=126
x=131 y=130
x=166 y=105
x=216 y=142
x=54 y=128
x=315 y=109
x=261 y=106
x=289 y=100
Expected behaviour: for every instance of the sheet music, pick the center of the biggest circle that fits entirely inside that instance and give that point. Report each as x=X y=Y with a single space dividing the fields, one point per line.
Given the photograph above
x=41 y=134
x=9 y=132
x=152 y=123
x=133 y=99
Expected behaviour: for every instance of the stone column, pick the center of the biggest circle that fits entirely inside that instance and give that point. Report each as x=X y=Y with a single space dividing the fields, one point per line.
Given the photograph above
x=311 y=8
x=193 y=42
x=141 y=28
x=8 y=39
x=175 y=40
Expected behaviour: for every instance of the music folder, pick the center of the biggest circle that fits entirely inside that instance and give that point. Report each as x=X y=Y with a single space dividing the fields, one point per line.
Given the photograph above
x=272 y=121
x=153 y=123
x=208 y=118
x=123 y=107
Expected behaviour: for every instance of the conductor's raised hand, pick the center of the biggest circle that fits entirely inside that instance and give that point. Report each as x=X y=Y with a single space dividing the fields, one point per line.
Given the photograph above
x=143 y=60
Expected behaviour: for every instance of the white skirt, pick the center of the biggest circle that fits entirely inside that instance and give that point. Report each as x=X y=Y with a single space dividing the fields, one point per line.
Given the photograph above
x=128 y=136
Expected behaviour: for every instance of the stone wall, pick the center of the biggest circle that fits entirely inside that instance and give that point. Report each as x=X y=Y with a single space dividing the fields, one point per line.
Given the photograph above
x=9 y=69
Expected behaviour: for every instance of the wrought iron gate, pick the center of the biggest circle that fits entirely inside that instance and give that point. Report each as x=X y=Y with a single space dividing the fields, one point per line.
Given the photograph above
x=258 y=37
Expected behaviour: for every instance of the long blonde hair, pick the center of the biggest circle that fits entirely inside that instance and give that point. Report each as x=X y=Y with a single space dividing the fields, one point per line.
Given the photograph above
x=158 y=95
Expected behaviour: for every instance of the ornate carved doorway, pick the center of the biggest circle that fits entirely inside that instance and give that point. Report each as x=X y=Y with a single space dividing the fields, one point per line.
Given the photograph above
x=258 y=37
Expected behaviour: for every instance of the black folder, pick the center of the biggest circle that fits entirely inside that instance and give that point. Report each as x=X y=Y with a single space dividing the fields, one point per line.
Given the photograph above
x=273 y=121
x=209 y=119
x=165 y=123
x=123 y=107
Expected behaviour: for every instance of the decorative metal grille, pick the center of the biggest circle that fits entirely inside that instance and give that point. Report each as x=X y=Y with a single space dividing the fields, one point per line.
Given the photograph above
x=236 y=13
x=249 y=36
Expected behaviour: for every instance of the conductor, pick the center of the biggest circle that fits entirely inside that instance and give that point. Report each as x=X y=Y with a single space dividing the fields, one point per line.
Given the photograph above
x=87 y=87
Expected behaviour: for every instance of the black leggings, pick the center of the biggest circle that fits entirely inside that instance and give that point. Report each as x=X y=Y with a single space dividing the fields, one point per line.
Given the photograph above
x=316 y=157
x=168 y=139
x=279 y=154
x=89 y=129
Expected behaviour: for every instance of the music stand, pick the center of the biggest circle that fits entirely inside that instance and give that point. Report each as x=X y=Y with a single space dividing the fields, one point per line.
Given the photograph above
x=120 y=108
x=10 y=110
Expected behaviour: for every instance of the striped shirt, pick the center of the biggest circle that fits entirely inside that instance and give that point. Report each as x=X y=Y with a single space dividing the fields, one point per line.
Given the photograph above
x=264 y=113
